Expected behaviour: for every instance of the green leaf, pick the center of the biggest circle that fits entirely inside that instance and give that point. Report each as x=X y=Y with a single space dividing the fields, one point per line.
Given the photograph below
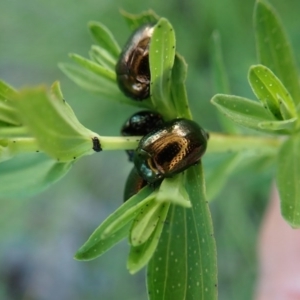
x=274 y=49
x=93 y=67
x=102 y=57
x=51 y=122
x=104 y=38
x=6 y=91
x=161 y=57
x=28 y=174
x=97 y=84
x=7 y=112
x=288 y=178
x=220 y=78
x=184 y=263
x=271 y=92
x=242 y=111
x=145 y=223
x=97 y=244
x=279 y=125
x=139 y=256
x=172 y=190
x=178 y=90
x=127 y=215
x=135 y=21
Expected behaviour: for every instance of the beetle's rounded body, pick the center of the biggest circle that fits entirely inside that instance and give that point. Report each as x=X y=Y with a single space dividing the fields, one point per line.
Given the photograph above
x=140 y=124
x=132 y=69
x=170 y=149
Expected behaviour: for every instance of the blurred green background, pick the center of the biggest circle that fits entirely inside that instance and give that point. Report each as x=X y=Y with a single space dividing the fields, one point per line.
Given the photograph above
x=39 y=235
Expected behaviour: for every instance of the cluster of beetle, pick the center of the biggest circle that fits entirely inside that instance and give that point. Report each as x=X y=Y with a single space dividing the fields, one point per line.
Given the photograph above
x=166 y=148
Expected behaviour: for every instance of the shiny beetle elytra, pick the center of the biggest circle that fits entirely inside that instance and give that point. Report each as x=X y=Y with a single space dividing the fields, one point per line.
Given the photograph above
x=170 y=149
x=140 y=124
x=132 y=69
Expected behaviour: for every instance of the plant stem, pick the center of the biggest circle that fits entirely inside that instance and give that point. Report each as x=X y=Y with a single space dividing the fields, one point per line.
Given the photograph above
x=14 y=146
x=220 y=143
x=119 y=143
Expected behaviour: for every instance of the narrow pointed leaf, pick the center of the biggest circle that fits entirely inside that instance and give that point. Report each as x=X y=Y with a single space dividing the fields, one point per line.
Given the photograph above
x=104 y=38
x=270 y=91
x=93 y=67
x=6 y=91
x=145 y=223
x=139 y=256
x=96 y=244
x=179 y=94
x=161 y=57
x=243 y=111
x=127 y=216
x=102 y=57
x=8 y=115
x=279 y=125
x=274 y=49
x=97 y=84
x=288 y=179
x=184 y=264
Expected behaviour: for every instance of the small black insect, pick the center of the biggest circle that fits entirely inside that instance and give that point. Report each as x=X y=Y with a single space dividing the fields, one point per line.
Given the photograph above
x=132 y=69
x=140 y=124
x=96 y=144
x=170 y=149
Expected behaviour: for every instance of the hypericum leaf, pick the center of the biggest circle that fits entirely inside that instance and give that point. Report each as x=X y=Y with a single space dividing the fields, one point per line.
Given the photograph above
x=279 y=125
x=6 y=91
x=145 y=223
x=28 y=174
x=172 y=190
x=135 y=21
x=58 y=133
x=273 y=48
x=288 y=177
x=93 y=67
x=271 y=92
x=8 y=114
x=161 y=57
x=178 y=90
x=139 y=256
x=184 y=263
x=220 y=78
x=96 y=244
x=102 y=57
x=104 y=38
x=127 y=216
x=97 y=84
x=243 y=111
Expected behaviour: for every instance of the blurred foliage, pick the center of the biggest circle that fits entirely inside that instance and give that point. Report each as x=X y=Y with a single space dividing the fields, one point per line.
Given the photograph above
x=39 y=236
